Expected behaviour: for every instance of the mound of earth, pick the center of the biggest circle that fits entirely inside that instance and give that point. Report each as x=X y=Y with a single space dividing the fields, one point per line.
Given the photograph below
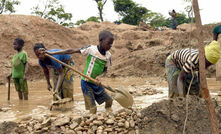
x=167 y=117
x=135 y=52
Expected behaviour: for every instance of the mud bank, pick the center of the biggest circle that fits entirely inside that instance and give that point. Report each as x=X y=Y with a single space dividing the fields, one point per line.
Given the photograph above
x=167 y=117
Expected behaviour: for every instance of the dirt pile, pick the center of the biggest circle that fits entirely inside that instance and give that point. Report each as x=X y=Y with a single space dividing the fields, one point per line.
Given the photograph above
x=123 y=121
x=135 y=52
x=167 y=117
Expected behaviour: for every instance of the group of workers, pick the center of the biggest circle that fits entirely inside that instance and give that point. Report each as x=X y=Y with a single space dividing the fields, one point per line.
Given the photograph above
x=179 y=67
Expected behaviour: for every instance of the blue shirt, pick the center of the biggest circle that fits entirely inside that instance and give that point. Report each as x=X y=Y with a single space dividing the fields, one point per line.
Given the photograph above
x=53 y=64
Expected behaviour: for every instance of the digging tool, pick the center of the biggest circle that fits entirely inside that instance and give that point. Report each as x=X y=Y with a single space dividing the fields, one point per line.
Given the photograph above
x=9 y=82
x=61 y=103
x=122 y=96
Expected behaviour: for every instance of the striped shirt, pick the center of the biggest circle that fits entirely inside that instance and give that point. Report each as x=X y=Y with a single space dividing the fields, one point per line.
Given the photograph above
x=183 y=59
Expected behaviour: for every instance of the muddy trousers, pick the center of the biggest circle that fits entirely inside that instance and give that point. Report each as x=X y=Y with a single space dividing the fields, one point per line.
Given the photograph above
x=21 y=87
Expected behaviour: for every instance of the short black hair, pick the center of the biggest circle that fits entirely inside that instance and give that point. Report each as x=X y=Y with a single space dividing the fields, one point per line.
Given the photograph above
x=105 y=34
x=38 y=45
x=20 y=41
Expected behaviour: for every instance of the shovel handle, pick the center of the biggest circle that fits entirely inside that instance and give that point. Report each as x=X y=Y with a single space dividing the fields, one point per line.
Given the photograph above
x=70 y=67
x=9 y=81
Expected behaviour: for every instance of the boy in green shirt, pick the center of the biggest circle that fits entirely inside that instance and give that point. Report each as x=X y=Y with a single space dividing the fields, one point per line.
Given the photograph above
x=19 y=69
x=96 y=65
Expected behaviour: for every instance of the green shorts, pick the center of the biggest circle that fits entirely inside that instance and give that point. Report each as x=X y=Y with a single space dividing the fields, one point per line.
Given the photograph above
x=21 y=85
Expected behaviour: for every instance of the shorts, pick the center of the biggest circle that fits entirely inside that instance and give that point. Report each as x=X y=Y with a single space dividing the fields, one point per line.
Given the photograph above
x=21 y=85
x=94 y=93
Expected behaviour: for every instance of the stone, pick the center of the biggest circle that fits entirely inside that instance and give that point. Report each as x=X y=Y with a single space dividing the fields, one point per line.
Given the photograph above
x=108 y=129
x=46 y=122
x=110 y=122
x=98 y=123
x=73 y=125
x=174 y=117
x=62 y=121
x=79 y=132
x=70 y=132
x=37 y=126
x=132 y=123
x=126 y=124
x=100 y=118
x=120 y=124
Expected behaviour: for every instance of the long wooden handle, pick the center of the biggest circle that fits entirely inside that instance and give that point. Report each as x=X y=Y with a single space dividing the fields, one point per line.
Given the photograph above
x=9 y=81
x=76 y=71
x=203 y=82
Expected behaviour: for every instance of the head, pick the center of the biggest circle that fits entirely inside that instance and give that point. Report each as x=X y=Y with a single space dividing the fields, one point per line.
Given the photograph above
x=37 y=52
x=212 y=53
x=106 y=40
x=173 y=11
x=18 y=44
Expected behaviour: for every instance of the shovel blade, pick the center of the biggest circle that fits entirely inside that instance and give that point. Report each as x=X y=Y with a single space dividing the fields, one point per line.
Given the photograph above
x=123 y=97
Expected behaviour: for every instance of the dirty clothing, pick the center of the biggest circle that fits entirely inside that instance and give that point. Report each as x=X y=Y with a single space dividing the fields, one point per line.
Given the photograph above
x=18 y=70
x=94 y=93
x=172 y=72
x=66 y=89
x=21 y=85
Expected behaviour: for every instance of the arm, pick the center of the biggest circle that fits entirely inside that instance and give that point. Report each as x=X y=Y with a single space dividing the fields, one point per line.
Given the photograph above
x=60 y=78
x=46 y=73
x=180 y=82
x=67 y=51
x=26 y=70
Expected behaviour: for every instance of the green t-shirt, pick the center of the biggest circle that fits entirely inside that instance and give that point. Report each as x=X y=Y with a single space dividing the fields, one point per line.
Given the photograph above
x=95 y=62
x=217 y=29
x=18 y=64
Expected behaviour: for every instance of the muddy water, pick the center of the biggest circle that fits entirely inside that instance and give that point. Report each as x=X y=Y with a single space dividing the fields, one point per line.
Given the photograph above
x=40 y=98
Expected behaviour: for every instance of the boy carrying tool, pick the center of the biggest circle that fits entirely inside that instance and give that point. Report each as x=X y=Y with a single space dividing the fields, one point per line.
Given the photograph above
x=97 y=59
x=63 y=77
x=19 y=69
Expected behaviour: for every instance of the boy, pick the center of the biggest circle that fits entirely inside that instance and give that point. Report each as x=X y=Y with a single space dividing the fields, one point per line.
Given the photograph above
x=97 y=58
x=173 y=14
x=178 y=67
x=19 y=69
x=63 y=77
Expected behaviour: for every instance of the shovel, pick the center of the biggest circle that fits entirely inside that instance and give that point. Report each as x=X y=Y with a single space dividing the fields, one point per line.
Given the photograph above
x=122 y=96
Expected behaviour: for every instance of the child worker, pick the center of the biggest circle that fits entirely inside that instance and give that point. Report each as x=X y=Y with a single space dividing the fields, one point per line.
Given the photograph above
x=63 y=77
x=96 y=66
x=19 y=69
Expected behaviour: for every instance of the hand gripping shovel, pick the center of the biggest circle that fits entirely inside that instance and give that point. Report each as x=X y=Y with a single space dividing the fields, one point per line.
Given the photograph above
x=122 y=96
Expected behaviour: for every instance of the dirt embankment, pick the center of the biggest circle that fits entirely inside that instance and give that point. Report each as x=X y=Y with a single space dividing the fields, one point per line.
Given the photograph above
x=135 y=52
x=167 y=117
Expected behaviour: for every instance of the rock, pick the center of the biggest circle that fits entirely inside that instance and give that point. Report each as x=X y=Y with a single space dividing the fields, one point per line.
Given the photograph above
x=73 y=125
x=62 y=121
x=108 y=129
x=132 y=132
x=94 y=128
x=100 y=118
x=79 y=132
x=132 y=123
x=126 y=124
x=70 y=132
x=77 y=119
x=120 y=124
x=123 y=114
x=139 y=115
x=84 y=132
x=175 y=117
x=98 y=123
x=79 y=128
x=110 y=122
x=46 y=122
x=37 y=126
